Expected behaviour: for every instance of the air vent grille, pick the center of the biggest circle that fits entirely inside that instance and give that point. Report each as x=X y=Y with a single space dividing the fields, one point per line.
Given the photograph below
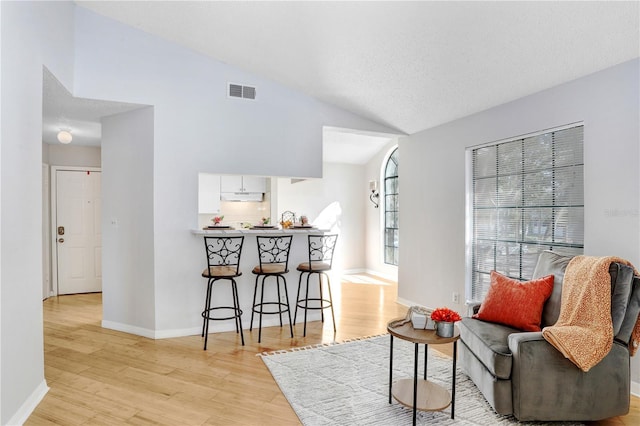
x=241 y=91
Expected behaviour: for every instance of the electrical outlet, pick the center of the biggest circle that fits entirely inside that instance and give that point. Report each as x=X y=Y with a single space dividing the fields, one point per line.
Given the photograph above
x=455 y=297
x=282 y=299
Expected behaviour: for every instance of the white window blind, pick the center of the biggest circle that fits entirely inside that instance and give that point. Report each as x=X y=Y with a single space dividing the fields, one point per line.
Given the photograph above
x=527 y=196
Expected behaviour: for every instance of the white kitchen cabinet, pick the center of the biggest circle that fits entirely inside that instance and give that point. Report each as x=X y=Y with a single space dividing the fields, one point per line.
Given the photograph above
x=243 y=184
x=208 y=193
x=254 y=184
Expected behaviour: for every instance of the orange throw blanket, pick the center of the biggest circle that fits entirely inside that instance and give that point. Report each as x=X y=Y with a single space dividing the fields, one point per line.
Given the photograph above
x=584 y=330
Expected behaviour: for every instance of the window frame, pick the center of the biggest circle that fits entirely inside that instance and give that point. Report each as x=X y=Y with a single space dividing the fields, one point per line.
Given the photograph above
x=476 y=295
x=386 y=197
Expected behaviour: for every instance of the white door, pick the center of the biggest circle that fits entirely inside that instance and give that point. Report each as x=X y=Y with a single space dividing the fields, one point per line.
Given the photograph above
x=78 y=231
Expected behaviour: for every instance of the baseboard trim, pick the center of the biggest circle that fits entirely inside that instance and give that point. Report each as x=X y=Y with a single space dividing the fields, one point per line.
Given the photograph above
x=131 y=329
x=405 y=302
x=214 y=326
x=30 y=404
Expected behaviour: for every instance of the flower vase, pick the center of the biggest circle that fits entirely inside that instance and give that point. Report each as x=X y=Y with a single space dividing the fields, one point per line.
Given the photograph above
x=444 y=329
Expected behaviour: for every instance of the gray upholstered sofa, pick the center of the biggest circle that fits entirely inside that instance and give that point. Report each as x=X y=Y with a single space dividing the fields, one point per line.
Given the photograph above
x=520 y=373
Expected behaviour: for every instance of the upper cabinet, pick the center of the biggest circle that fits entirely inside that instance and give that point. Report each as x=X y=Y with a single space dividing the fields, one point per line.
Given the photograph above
x=243 y=184
x=208 y=193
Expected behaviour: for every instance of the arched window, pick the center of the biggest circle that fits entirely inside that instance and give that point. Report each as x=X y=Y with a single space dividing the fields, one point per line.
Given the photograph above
x=391 y=229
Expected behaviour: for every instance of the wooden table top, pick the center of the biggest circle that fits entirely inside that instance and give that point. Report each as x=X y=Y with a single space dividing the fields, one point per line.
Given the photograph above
x=404 y=330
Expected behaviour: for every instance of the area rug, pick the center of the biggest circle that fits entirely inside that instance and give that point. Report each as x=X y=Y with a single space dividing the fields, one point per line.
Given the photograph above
x=347 y=384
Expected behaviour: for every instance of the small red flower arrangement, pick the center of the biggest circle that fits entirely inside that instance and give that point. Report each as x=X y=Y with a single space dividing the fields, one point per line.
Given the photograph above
x=445 y=315
x=216 y=220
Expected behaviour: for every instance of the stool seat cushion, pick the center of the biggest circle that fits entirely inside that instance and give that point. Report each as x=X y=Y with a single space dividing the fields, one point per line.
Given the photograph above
x=315 y=266
x=270 y=268
x=221 y=271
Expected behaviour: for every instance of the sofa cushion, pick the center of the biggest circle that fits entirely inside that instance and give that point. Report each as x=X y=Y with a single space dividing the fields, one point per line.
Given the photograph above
x=555 y=264
x=489 y=343
x=514 y=303
x=631 y=315
x=621 y=282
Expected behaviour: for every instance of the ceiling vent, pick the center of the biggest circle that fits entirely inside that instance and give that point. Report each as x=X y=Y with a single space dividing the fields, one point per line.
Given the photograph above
x=240 y=91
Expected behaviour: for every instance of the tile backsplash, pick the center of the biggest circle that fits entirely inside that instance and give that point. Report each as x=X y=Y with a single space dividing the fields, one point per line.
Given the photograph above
x=235 y=213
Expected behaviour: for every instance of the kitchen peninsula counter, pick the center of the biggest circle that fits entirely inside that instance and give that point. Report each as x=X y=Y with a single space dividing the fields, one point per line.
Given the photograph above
x=254 y=231
x=299 y=253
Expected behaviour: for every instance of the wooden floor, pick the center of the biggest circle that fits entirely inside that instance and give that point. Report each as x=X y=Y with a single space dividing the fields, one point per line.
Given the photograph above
x=104 y=377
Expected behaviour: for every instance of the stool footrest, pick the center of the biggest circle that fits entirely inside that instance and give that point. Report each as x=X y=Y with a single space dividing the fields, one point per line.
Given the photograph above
x=207 y=313
x=324 y=303
x=258 y=308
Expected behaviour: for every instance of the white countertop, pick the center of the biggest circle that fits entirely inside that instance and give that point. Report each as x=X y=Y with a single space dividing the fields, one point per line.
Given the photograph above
x=258 y=231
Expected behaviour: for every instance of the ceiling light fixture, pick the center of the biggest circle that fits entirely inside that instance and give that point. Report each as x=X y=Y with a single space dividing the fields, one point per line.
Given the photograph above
x=65 y=137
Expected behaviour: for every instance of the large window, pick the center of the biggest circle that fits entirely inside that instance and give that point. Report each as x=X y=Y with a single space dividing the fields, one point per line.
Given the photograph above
x=391 y=209
x=527 y=196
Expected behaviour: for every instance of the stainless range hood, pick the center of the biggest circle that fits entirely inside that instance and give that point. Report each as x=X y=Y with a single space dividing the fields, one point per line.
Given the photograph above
x=255 y=197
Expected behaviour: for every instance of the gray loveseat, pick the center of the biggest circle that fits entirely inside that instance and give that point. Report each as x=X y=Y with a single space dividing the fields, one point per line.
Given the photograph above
x=520 y=373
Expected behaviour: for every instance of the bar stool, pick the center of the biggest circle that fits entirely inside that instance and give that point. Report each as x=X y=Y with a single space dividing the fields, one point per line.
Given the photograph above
x=273 y=255
x=223 y=263
x=320 y=259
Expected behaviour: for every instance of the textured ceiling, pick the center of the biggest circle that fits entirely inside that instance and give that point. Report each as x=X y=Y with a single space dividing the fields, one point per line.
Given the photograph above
x=409 y=65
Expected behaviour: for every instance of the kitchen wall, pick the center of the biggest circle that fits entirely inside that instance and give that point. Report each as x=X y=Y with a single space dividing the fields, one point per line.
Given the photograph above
x=337 y=202
x=432 y=176
x=237 y=213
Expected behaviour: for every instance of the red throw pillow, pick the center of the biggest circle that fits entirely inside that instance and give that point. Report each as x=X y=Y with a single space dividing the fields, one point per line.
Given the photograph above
x=515 y=303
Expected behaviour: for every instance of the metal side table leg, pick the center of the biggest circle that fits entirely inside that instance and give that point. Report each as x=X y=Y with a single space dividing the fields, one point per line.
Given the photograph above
x=390 y=366
x=453 y=380
x=415 y=382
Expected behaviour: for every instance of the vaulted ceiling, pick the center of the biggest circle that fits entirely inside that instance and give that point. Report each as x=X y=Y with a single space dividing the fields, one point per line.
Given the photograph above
x=408 y=65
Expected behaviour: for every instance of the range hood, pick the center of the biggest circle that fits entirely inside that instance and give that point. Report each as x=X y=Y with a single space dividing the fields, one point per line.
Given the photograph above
x=241 y=196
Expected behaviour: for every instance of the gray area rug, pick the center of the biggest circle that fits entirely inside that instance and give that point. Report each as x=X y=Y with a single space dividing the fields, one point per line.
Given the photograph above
x=347 y=384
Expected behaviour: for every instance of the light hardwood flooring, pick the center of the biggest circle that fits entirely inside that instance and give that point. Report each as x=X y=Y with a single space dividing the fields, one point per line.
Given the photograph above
x=104 y=377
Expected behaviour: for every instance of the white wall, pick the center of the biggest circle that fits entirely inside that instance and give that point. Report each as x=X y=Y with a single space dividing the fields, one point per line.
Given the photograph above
x=374 y=248
x=71 y=155
x=33 y=34
x=337 y=201
x=432 y=175
x=196 y=129
x=127 y=222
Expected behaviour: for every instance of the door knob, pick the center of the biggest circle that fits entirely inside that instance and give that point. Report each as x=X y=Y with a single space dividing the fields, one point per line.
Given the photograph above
x=61 y=240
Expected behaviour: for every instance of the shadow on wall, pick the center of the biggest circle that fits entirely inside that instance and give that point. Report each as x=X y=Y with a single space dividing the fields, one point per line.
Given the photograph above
x=329 y=218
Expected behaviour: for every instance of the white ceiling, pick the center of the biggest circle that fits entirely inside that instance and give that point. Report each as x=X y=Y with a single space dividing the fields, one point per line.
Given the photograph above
x=62 y=111
x=409 y=65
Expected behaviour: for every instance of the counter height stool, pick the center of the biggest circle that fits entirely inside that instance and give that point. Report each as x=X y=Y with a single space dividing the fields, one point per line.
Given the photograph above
x=273 y=255
x=223 y=263
x=321 y=249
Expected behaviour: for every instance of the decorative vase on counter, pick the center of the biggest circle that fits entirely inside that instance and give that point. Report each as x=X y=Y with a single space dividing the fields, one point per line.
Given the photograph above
x=444 y=329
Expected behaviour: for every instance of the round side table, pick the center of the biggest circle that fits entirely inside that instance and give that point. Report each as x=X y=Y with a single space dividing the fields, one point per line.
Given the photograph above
x=421 y=394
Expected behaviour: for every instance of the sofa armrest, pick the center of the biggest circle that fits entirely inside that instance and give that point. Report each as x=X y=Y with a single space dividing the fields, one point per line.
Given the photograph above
x=547 y=386
x=473 y=308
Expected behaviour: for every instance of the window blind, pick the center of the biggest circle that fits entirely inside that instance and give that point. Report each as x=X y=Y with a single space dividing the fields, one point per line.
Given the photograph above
x=527 y=196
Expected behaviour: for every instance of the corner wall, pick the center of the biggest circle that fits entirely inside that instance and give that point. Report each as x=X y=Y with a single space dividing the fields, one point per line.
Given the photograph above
x=432 y=261
x=127 y=222
x=33 y=34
